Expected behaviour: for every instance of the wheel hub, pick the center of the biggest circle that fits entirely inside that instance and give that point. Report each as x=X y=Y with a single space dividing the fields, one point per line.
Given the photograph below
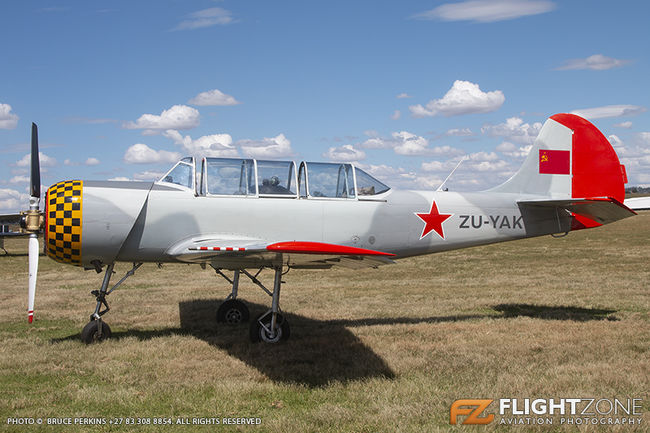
x=233 y=316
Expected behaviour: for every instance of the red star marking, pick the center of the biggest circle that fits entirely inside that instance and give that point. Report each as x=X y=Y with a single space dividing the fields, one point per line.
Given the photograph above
x=433 y=221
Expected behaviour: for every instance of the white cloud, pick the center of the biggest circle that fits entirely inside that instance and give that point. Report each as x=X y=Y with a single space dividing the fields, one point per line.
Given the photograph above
x=490 y=166
x=10 y=199
x=636 y=157
x=148 y=175
x=464 y=97
x=642 y=139
x=8 y=120
x=403 y=95
x=396 y=115
x=410 y=144
x=377 y=142
x=215 y=145
x=44 y=160
x=456 y=132
x=395 y=177
x=120 y=178
x=142 y=154
x=514 y=151
x=428 y=182
x=483 y=156
x=205 y=18
x=446 y=151
x=609 y=111
x=626 y=125
x=345 y=153
x=597 y=62
x=213 y=97
x=19 y=179
x=177 y=117
x=514 y=129
x=487 y=11
x=92 y=161
x=268 y=147
x=436 y=166
x=615 y=140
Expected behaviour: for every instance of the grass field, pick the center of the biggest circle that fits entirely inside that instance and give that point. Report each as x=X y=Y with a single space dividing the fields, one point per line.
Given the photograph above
x=371 y=351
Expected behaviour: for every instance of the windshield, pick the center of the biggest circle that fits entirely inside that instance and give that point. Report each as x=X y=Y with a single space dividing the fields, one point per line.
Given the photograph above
x=368 y=185
x=181 y=174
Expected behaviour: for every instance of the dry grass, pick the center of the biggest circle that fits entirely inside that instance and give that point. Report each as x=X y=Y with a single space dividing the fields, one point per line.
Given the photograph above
x=376 y=350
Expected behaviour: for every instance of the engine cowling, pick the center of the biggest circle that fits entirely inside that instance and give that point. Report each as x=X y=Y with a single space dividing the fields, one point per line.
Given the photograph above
x=64 y=221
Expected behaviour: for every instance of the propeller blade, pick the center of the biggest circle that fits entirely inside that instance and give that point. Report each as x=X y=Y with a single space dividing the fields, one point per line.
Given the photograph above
x=35 y=179
x=33 y=269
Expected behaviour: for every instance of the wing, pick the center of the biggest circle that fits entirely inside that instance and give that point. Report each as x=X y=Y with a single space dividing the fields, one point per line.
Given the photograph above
x=249 y=253
x=6 y=221
x=13 y=218
x=602 y=210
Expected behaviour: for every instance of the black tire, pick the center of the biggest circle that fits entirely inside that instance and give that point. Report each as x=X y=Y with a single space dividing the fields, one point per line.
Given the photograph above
x=258 y=333
x=90 y=333
x=233 y=312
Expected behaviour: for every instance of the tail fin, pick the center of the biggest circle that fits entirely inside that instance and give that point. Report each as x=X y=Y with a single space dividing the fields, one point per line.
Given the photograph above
x=570 y=158
x=573 y=167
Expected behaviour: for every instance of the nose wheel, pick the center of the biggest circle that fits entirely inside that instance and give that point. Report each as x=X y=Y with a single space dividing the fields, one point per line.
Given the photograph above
x=95 y=331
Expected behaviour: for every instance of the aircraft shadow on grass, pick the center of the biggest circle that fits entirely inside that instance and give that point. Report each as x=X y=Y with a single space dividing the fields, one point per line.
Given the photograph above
x=322 y=351
x=576 y=314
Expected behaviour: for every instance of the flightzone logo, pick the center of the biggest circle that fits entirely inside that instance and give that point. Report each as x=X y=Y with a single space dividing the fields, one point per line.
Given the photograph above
x=542 y=411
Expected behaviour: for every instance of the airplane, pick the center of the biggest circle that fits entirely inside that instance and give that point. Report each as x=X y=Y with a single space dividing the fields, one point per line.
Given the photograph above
x=243 y=215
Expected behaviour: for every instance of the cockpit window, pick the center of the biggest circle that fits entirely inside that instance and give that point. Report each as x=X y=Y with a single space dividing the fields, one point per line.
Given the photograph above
x=182 y=174
x=368 y=185
x=230 y=176
x=248 y=177
x=276 y=178
x=330 y=180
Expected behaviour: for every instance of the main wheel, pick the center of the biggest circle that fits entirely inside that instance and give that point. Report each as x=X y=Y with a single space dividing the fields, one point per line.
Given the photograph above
x=233 y=312
x=261 y=333
x=90 y=333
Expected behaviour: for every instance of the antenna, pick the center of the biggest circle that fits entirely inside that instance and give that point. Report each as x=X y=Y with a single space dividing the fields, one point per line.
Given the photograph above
x=463 y=159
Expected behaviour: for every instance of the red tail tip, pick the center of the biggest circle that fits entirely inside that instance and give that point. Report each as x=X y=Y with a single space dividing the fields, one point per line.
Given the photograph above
x=30 y=316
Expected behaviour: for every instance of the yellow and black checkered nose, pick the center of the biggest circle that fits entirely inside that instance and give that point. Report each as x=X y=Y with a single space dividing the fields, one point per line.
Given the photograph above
x=64 y=215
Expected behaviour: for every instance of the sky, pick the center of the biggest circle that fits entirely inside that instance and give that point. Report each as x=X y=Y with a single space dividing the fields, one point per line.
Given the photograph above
x=121 y=90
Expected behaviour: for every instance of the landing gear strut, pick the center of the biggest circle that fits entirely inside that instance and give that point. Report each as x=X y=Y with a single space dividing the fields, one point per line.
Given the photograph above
x=96 y=329
x=232 y=310
x=271 y=326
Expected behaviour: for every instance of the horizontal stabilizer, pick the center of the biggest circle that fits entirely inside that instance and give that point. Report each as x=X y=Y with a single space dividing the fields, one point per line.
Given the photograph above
x=602 y=210
x=638 y=203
